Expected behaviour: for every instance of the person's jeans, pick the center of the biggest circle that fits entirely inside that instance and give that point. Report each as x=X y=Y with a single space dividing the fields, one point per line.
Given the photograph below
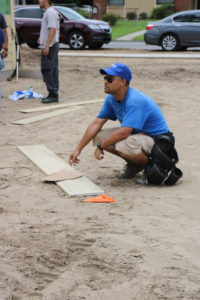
x=49 y=69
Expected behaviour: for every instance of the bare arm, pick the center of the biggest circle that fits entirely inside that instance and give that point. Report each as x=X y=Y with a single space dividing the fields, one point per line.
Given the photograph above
x=89 y=134
x=52 y=32
x=5 y=45
x=119 y=135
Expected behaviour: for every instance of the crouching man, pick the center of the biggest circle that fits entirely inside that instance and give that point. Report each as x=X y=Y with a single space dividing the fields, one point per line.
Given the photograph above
x=143 y=129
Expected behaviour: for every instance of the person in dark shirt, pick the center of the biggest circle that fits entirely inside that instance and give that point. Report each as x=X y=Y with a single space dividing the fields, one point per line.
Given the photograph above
x=4 y=26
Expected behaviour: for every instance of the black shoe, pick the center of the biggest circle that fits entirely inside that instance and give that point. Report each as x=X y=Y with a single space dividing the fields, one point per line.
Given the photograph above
x=51 y=98
x=46 y=96
x=130 y=170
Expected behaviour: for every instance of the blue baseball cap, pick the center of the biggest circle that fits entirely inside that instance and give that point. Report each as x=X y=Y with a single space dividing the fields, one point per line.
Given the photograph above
x=118 y=69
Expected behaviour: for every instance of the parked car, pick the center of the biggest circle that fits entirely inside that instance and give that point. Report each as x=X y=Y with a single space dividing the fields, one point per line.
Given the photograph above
x=176 y=32
x=75 y=30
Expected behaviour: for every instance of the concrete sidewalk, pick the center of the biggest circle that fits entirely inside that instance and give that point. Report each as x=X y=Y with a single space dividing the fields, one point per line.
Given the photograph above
x=129 y=55
x=130 y=36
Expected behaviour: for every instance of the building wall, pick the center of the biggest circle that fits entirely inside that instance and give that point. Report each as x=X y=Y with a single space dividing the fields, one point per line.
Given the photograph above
x=182 y=5
x=138 y=6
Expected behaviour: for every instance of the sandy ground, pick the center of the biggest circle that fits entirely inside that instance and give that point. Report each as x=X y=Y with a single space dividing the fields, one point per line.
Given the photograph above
x=146 y=245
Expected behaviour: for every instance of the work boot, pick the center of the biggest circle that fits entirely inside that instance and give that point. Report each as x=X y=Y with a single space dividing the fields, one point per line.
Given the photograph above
x=52 y=97
x=130 y=170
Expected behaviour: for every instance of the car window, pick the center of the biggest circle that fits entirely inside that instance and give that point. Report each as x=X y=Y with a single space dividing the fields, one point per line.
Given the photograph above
x=69 y=13
x=182 y=18
x=167 y=20
x=33 y=13
x=195 y=18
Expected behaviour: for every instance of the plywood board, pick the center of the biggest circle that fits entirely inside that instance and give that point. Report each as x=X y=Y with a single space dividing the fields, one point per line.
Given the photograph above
x=47 y=107
x=62 y=175
x=45 y=116
x=50 y=163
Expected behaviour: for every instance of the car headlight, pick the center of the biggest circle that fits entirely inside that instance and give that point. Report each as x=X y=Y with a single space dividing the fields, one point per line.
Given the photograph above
x=106 y=28
x=94 y=27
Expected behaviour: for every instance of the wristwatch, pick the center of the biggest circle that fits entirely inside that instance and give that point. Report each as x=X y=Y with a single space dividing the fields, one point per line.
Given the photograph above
x=99 y=146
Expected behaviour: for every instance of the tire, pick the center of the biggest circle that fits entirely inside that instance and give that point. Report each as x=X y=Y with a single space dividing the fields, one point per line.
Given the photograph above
x=96 y=46
x=33 y=45
x=76 y=40
x=169 y=42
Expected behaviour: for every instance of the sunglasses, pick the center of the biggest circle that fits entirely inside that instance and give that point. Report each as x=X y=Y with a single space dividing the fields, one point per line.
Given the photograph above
x=109 y=79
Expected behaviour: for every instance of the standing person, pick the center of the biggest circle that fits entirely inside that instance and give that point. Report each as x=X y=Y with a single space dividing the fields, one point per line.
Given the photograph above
x=2 y=59
x=49 y=42
x=3 y=44
x=143 y=130
x=4 y=26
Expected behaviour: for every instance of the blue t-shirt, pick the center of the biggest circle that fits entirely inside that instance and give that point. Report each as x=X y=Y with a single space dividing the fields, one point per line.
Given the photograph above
x=136 y=111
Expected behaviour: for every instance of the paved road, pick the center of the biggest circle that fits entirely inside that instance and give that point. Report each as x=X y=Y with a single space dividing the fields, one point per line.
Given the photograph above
x=123 y=45
x=131 y=45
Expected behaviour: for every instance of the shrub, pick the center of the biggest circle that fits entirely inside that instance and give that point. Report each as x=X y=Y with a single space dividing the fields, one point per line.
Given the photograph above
x=110 y=18
x=163 y=11
x=143 y=16
x=131 y=15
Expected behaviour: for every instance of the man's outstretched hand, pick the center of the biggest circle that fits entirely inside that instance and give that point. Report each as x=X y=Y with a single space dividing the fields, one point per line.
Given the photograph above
x=73 y=159
x=98 y=154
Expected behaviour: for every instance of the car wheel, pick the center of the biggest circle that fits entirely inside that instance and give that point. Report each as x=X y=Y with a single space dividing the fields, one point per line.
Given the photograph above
x=33 y=45
x=96 y=46
x=76 y=40
x=169 y=42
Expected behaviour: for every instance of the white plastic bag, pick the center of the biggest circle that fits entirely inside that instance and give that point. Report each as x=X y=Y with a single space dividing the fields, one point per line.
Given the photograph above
x=18 y=95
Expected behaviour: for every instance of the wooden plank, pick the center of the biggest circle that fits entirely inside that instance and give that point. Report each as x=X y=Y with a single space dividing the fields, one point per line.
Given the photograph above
x=49 y=163
x=45 y=116
x=46 y=107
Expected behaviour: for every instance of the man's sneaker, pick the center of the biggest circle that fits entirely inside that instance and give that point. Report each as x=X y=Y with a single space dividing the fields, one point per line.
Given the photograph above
x=141 y=180
x=130 y=170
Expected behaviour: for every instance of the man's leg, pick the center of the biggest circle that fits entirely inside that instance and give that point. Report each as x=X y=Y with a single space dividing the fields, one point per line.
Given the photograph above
x=56 y=71
x=49 y=69
x=134 y=150
x=103 y=135
x=140 y=158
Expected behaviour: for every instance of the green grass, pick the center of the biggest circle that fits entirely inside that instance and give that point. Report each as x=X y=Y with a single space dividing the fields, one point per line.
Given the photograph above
x=139 y=38
x=124 y=27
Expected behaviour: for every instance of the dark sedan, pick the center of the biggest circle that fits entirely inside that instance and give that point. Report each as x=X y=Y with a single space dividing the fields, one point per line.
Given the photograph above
x=75 y=30
x=176 y=32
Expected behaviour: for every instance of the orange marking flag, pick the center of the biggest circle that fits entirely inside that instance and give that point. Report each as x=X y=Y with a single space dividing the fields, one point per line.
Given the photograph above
x=100 y=199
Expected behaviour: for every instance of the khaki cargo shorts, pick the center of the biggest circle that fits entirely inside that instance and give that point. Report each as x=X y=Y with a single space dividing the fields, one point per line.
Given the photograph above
x=134 y=144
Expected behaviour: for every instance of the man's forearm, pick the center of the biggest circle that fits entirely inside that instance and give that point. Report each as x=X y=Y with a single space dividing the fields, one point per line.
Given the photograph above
x=89 y=134
x=117 y=136
x=5 y=45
